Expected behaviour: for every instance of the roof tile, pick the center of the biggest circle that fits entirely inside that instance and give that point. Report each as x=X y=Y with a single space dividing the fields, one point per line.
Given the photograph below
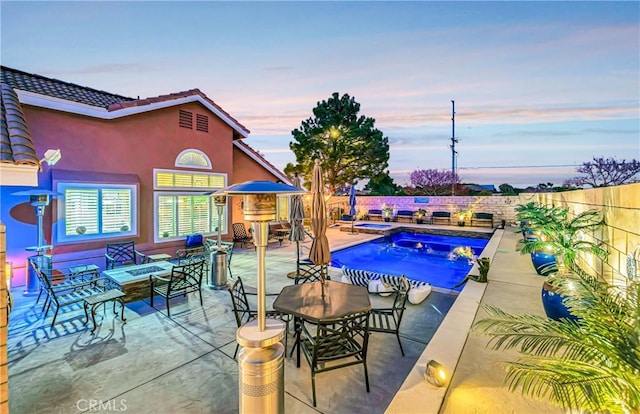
x=16 y=145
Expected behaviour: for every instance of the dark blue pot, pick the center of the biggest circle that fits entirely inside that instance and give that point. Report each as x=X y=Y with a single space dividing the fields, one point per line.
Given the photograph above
x=545 y=264
x=553 y=305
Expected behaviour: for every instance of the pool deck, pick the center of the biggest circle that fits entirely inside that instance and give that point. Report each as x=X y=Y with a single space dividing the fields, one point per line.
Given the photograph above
x=183 y=364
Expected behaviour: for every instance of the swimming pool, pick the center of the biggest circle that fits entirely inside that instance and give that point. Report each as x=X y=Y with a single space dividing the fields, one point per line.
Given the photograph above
x=418 y=256
x=373 y=226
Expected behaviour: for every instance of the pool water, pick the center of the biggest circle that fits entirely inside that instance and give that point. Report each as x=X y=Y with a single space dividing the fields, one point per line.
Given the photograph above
x=373 y=226
x=418 y=256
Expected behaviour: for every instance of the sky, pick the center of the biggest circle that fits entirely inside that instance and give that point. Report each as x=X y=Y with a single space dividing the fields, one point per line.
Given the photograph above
x=539 y=87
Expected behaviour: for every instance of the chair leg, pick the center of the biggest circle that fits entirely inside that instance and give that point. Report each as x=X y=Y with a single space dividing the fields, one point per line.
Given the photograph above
x=200 y=292
x=366 y=373
x=236 y=353
x=55 y=315
x=167 y=302
x=313 y=386
x=400 y=343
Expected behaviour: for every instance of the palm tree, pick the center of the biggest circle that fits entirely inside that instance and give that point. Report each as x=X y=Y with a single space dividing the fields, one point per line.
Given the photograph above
x=590 y=364
x=564 y=237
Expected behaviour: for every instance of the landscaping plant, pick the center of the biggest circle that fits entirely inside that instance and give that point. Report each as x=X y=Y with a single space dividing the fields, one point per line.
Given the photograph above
x=589 y=365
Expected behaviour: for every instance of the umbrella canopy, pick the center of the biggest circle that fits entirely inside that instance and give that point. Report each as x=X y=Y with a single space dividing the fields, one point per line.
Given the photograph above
x=320 y=253
x=352 y=201
x=296 y=215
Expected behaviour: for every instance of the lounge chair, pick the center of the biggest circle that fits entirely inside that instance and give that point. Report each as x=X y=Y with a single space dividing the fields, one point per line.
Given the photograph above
x=440 y=216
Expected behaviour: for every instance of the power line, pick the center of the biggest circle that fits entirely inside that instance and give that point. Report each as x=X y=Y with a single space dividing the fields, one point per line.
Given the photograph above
x=518 y=166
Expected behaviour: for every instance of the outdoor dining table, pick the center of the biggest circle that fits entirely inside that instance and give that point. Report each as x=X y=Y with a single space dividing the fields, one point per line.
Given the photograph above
x=321 y=300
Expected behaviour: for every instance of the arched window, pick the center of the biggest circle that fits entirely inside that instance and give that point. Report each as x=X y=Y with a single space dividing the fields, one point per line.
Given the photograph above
x=192 y=158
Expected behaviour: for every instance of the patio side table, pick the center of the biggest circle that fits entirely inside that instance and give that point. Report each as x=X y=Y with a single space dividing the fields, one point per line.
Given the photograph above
x=93 y=301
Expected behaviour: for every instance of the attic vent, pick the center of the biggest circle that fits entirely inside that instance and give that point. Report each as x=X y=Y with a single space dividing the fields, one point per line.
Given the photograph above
x=202 y=123
x=185 y=119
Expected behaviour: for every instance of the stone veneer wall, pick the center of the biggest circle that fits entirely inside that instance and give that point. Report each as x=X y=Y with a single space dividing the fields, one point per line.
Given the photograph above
x=502 y=207
x=620 y=206
x=4 y=325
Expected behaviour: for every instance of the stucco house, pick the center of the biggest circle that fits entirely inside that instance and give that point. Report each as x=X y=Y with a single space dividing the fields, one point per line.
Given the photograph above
x=131 y=169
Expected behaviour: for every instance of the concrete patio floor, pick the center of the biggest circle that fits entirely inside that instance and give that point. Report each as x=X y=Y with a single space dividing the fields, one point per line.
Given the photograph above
x=183 y=364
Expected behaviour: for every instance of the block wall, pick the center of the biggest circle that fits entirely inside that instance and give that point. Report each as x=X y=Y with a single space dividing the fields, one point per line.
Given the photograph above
x=620 y=235
x=502 y=207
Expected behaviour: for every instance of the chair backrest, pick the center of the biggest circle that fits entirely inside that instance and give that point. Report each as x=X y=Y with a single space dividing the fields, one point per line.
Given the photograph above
x=240 y=303
x=310 y=272
x=188 y=274
x=122 y=252
x=42 y=277
x=285 y=224
x=400 y=301
x=240 y=232
x=342 y=337
x=483 y=216
x=441 y=214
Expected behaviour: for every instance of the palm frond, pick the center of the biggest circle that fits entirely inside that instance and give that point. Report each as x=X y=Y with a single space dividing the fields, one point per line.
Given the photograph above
x=589 y=364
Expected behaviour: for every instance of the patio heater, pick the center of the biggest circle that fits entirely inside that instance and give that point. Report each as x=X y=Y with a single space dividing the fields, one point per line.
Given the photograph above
x=218 y=256
x=39 y=199
x=261 y=361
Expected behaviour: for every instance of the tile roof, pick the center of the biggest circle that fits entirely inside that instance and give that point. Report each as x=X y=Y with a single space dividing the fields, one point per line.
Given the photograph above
x=58 y=89
x=68 y=91
x=16 y=145
x=172 y=96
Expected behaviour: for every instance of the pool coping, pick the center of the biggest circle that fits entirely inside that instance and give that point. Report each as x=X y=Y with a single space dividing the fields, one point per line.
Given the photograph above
x=415 y=394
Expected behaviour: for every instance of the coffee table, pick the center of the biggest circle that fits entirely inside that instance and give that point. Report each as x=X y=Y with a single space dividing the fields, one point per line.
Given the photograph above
x=133 y=280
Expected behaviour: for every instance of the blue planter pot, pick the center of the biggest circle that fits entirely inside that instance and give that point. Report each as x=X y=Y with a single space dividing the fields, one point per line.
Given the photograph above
x=545 y=264
x=552 y=303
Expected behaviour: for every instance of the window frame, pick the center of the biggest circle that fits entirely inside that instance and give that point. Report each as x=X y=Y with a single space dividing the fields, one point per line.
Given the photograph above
x=178 y=164
x=186 y=191
x=60 y=226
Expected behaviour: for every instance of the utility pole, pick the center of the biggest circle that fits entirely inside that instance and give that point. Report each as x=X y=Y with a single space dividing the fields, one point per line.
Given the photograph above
x=454 y=140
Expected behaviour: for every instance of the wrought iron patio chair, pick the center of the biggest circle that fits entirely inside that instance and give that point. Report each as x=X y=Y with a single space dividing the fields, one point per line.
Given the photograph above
x=122 y=253
x=240 y=234
x=344 y=339
x=243 y=312
x=308 y=271
x=185 y=278
x=65 y=294
x=387 y=320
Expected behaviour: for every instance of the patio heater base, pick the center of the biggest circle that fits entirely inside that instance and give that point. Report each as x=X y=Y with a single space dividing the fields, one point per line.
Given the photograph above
x=261 y=367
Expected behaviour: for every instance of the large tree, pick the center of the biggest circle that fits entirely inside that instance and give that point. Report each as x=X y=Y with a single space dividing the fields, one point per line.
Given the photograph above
x=348 y=145
x=382 y=185
x=434 y=182
x=605 y=172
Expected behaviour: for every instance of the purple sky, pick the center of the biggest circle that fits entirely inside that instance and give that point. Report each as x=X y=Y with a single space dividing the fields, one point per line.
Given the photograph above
x=540 y=87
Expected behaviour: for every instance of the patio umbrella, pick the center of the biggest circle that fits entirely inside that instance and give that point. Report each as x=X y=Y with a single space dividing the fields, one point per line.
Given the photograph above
x=296 y=215
x=352 y=202
x=319 y=253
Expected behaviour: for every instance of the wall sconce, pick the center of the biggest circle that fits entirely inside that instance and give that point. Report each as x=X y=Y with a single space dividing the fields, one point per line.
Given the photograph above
x=52 y=156
x=436 y=374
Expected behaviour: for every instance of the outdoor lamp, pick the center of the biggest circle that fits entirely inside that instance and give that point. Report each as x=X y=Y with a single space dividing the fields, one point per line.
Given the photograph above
x=52 y=156
x=436 y=374
x=261 y=361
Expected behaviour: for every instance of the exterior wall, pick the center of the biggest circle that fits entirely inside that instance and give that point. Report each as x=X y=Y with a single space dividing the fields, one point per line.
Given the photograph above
x=620 y=235
x=502 y=207
x=133 y=144
x=4 y=326
x=245 y=168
